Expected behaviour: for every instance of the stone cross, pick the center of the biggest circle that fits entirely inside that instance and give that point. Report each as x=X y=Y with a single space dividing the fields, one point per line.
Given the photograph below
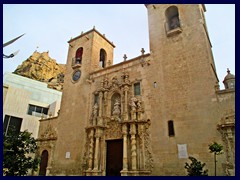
x=228 y=71
x=125 y=57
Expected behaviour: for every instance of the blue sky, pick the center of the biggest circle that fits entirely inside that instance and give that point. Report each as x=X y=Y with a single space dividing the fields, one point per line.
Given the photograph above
x=49 y=27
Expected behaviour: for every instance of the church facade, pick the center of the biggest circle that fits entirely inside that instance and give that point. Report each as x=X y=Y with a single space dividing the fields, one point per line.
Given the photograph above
x=146 y=115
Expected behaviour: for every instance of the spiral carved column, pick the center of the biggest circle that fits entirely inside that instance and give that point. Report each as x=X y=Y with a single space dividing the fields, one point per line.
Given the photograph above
x=90 y=157
x=133 y=146
x=142 y=150
x=125 y=158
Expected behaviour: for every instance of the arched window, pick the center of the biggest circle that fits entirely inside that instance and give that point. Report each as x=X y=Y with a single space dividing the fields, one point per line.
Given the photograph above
x=171 y=128
x=103 y=57
x=78 y=56
x=172 y=17
x=44 y=163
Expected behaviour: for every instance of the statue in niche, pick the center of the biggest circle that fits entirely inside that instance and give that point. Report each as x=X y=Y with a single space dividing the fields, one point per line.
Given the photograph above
x=116 y=108
x=95 y=113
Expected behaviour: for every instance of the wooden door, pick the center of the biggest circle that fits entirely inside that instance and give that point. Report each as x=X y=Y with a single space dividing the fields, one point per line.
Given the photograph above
x=44 y=163
x=114 y=157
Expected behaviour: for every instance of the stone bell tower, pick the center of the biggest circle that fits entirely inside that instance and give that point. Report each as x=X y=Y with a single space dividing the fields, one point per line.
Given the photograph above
x=89 y=52
x=183 y=68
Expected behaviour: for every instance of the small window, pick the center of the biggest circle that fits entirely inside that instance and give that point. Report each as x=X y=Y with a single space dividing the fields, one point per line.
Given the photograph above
x=154 y=84
x=31 y=109
x=37 y=110
x=103 y=57
x=171 y=128
x=137 y=89
x=45 y=111
x=232 y=86
x=13 y=122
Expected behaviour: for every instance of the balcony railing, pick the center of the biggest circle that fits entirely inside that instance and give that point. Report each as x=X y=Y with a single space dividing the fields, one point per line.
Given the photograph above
x=76 y=62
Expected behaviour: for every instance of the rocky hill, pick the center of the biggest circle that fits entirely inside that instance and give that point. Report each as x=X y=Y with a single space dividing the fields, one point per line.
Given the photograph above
x=40 y=67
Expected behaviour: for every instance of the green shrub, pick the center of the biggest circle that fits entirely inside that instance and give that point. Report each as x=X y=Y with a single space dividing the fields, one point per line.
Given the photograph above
x=195 y=168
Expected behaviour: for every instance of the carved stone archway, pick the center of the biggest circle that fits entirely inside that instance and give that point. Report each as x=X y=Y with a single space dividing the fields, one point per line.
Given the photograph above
x=43 y=163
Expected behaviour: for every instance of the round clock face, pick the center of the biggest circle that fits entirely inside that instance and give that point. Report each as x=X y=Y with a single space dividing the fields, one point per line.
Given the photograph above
x=76 y=75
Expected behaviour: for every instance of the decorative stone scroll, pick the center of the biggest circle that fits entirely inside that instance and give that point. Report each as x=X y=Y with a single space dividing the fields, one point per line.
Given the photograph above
x=113 y=130
x=49 y=133
x=148 y=149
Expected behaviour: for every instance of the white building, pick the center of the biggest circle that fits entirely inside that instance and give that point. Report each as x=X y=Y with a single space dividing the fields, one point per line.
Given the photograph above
x=25 y=101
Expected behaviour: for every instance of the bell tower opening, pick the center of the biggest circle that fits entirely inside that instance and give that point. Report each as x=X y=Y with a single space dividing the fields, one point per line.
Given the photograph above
x=172 y=17
x=103 y=57
x=78 y=57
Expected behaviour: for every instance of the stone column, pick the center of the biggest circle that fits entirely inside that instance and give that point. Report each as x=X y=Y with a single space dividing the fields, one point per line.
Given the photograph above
x=100 y=103
x=90 y=157
x=105 y=95
x=133 y=115
x=96 y=158
x=125 y=158
x=126 y=88
x=133 y=146
x=142 y=151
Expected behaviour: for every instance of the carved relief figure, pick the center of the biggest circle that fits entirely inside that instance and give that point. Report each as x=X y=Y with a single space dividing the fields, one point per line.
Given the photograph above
x=114 y=83
x=106 y=86
x=136 y=108
x=116 y=108
x=139 y=106
x=132 y=104
x=95 y=113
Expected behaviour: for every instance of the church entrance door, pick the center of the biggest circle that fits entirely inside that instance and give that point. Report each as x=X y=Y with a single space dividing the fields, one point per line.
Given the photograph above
x=114 y=157
x=44 y=163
